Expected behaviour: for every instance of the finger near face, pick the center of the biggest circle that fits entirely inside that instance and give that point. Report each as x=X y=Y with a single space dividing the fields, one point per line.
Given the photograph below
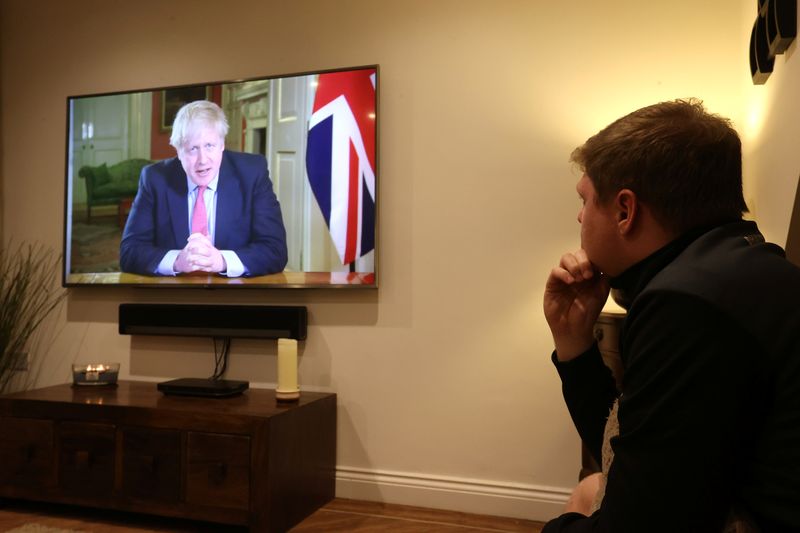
x=587 y=269
x=568 y=261
x=572 y=264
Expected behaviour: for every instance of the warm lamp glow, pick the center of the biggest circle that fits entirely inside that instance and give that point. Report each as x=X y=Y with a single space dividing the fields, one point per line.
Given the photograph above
x=755 y=115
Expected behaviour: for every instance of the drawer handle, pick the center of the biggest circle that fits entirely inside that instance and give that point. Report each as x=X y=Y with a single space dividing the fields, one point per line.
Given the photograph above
x=150 y=463
x=83 y=460
x=28 y=453
x=217 y=473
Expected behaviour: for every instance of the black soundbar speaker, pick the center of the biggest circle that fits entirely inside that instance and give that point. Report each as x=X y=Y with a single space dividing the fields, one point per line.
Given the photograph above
x=199 y=320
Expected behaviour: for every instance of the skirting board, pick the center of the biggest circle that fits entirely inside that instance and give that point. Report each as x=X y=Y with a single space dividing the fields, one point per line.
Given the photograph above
x=529 y=502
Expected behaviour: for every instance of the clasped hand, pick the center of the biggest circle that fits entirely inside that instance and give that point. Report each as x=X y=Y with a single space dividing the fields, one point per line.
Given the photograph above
x=199 y=255
x=574 y=295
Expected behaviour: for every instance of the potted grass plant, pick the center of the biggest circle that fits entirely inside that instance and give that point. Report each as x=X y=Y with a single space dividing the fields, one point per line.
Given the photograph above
x=28 y=294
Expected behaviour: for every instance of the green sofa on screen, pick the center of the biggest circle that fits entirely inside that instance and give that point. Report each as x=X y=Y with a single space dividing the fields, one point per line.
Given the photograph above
x=111 y=185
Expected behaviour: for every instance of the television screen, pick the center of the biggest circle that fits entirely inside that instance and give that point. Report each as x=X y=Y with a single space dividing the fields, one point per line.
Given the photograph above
x=290 y=194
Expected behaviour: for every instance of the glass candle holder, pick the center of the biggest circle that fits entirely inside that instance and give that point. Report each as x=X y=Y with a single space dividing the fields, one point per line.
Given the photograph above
x=95 y=374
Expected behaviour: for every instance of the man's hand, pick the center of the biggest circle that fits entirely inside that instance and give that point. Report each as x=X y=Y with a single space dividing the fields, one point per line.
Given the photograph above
x=574 y=295
x=199 y=255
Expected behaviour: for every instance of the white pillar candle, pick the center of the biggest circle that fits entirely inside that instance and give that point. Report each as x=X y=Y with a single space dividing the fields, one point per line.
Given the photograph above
x=288 y=388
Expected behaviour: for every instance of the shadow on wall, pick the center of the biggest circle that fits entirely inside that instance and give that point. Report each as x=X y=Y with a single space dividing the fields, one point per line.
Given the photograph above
x=793 y=238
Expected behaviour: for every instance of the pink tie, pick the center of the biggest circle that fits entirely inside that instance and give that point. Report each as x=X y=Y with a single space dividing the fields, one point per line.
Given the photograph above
x=199 y=218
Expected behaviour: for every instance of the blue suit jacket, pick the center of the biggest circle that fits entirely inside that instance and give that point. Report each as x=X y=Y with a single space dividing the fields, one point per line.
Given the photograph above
x=248 y=216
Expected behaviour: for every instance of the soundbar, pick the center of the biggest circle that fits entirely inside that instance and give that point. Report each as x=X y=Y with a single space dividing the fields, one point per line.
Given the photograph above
x=203 y=320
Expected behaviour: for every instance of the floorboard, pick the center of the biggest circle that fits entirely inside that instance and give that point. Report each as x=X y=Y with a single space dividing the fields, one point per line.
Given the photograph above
x=339 y=515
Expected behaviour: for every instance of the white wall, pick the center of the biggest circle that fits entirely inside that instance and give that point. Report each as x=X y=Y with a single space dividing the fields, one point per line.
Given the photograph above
x=447 y=396
x=770 y=135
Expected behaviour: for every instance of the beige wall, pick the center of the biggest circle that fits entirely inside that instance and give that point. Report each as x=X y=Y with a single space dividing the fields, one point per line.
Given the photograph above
x=446 y=393
x=771 y=134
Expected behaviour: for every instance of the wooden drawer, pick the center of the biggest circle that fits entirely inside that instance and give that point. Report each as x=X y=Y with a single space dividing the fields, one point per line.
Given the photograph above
x=86 y=458
x=151 y=464
x=218 y=470
x=607 y=331
x=26 y=453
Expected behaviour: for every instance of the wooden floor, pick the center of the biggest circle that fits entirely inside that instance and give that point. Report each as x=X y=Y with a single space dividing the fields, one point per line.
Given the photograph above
x=339 y=515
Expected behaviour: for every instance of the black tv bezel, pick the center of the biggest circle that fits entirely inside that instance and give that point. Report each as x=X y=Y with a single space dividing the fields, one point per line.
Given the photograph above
x=219 y=282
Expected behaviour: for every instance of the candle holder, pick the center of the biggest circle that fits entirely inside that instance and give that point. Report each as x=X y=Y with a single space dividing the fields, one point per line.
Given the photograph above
x=95 y=374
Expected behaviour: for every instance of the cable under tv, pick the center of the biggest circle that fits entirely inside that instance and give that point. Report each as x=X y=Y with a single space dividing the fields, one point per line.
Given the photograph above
x=215 y=321
x=208 y=388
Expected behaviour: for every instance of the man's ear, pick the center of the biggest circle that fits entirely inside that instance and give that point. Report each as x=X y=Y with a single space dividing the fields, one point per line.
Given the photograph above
x=626 y=207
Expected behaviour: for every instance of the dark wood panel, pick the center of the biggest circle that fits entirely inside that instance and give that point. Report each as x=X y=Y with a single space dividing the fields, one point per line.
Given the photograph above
x=26 y=453
x=151 y=464
x=86 y=458
x=218 y=470
x=307 y=465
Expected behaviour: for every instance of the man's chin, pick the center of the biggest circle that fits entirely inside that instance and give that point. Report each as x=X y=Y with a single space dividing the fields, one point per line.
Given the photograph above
x=202 y=179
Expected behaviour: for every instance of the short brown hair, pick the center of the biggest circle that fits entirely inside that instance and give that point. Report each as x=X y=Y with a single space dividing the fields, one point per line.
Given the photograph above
x=684 y=163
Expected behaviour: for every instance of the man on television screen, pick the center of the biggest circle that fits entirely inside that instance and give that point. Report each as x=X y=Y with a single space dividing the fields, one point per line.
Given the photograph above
x=207 y=210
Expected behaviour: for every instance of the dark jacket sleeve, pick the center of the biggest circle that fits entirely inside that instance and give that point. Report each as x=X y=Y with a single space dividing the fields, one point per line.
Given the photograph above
x=140 y=248
x=249 y=220
x=589 y=390
x=682 y=420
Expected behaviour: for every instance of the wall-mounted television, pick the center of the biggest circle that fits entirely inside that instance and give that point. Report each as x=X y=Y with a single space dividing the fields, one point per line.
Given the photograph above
x=298 y=172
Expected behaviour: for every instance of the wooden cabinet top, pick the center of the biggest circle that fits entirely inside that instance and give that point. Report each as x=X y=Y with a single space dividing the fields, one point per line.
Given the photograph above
x=130 y=396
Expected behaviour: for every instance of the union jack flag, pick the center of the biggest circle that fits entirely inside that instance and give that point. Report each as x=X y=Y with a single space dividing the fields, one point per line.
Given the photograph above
x=340 y=159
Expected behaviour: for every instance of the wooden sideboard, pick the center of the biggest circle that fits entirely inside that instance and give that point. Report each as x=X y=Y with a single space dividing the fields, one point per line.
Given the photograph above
x=247 y=460
x=606 y=332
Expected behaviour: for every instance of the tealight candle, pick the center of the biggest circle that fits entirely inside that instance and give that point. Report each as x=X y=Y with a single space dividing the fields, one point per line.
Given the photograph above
x=95 y=374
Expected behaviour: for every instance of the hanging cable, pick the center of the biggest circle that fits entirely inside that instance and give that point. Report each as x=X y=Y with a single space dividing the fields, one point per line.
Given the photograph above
x=221 y=356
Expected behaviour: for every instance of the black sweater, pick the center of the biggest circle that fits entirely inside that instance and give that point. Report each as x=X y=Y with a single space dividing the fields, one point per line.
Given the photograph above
x=710 y=408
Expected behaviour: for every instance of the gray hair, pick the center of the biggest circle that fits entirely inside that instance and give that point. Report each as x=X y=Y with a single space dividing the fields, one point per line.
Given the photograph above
x=197 y=112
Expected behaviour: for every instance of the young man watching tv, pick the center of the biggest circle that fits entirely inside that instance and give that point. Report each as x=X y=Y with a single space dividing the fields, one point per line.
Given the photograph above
x=709 y=410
